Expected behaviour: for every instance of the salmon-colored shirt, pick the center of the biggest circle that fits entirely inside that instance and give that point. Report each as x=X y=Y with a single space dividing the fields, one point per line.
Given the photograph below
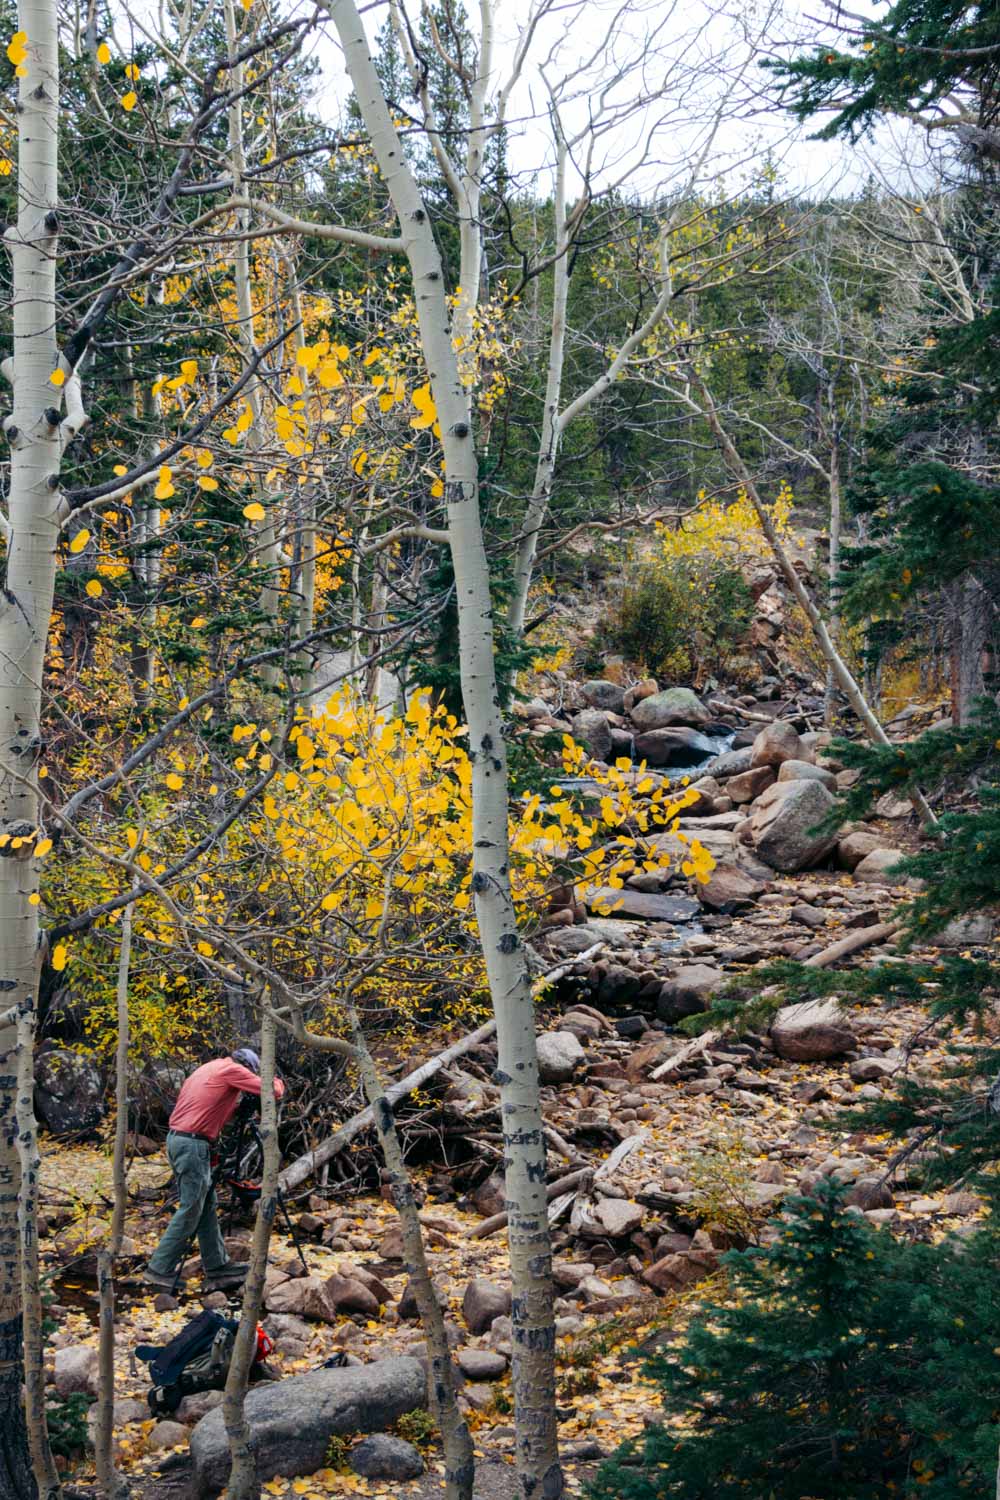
x=209 y=1097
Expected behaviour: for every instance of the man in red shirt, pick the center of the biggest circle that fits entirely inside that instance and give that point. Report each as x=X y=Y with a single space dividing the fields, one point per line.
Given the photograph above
x=205 y=1104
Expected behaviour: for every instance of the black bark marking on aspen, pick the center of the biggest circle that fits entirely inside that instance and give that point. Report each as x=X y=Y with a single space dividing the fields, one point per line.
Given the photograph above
x=499 y=1077
x=480 y=883
x=461 y=429
x=508 y=943
x=552 y=1483
x=385 y=1116
x=536 y=1171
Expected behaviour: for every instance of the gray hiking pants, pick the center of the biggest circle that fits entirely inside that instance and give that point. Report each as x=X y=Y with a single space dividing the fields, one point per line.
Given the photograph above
x=191 y=1161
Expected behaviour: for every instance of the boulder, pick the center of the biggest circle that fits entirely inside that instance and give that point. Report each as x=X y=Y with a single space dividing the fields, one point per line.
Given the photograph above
x=383 y=1456
x=730 y=889
x=877 y=867
x=591 y=729
x=195 y=1406
x=673 y=1272
x=673 y=747
x=967 y=932
x=483 y=1303
x=166 y=1434
x=603 y=694
x=783 y=825
x=293 y=1420
x=348 y=1294
x=775 y=743
x=76 y=1370
x=811 y=1031
x=731 y=763
x=559 y=1056
x=853 y=847
x=69 y=1092
x=677 y=705
x=749 y=784
x=618 y=1217
x=304 y=1296
x=804 y=770
x=481 y=1364
x=617 y=986
x=689 y=992
x=871 y=1069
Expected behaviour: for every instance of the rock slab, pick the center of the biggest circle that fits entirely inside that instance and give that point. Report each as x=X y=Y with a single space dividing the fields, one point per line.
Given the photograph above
x=293 y=1420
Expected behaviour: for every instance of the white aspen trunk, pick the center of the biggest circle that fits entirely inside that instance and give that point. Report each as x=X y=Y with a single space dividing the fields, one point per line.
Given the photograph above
x=539 y=1474
x=456 y=1441
x=834 y=563
x=243 y=1483
x=270 y=551
x=111 y=1483
x=25 y=611
x=306 y=620
x=841 y=671
x=548 y=448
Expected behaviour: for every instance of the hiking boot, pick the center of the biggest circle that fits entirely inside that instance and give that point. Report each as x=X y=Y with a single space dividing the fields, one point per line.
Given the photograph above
x=157 y=1278
x=231 y=1274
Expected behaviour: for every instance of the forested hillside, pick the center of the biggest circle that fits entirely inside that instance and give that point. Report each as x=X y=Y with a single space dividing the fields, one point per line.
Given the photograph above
x=499 y=808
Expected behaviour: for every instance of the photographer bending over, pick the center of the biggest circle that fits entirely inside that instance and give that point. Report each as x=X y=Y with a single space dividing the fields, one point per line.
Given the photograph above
x=205 y=1104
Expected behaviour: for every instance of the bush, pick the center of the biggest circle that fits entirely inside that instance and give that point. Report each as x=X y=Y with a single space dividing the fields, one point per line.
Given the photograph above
x=844 y=1365
x=67 y=1424
x=683 y=617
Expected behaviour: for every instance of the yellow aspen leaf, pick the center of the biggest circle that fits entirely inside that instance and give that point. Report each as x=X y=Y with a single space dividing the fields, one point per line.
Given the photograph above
x=58 y=377
x=80 y=540
x=291 y=781
x=17 y=47
x=198 y=622
x=329 y=375
x=427 y=411
x=34 y=899
x=42 y=847
x=437 y=489
x=94 y=589
x=164 y=488
x=132 y=71
x=104 y=54
x=59 y=956
x=245 y=419
x=304 y=747
x=119 y=470
x=5 y=167
x=205 y=459
x=129 y=101
x=173 y=781
x=308 y=358
x=255 y=511
x=206 y=482
x=204 y=948
x=294 y=387
x=329 y=901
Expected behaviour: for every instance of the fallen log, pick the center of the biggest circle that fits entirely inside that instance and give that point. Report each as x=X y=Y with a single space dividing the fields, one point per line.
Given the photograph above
x=689 y=1051
x=303 y=1167
x=298 y=1171
x=495 y=1222
x=862 y=937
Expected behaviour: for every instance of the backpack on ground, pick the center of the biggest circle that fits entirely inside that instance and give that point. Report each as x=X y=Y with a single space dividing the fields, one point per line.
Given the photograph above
x=197 y=1359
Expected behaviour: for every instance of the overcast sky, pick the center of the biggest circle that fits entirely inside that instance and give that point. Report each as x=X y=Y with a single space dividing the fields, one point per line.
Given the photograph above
x=669 y=75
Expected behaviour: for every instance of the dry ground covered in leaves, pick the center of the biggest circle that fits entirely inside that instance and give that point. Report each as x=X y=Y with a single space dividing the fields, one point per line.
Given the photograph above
x=721 y=1143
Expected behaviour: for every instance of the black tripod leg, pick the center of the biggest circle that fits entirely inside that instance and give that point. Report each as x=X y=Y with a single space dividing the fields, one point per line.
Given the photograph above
x=293 y=1232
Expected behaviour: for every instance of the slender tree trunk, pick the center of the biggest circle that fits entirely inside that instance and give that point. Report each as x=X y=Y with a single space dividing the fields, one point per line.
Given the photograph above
x=968 y=611
x=841 y=671
x=548 y=448
x=538 y=1468
x=29 y=1161
x=25 y=611
x=457 y=1443
x=270 y=550
x=110 y=1481
x=244 y=1483
x=834 y=568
